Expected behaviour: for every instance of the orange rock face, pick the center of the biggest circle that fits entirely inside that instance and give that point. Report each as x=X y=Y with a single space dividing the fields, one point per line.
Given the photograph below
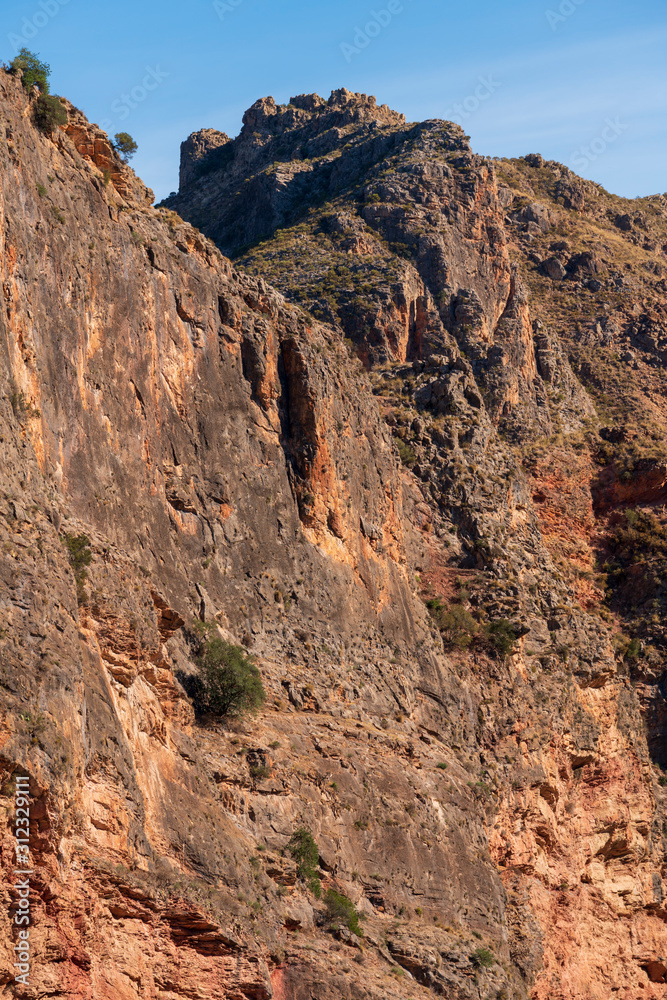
x=434 y=557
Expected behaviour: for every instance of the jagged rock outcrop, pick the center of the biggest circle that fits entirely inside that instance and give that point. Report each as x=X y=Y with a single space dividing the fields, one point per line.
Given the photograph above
x=475 y=774
x=393 y=191
x=224 y=462
x=197 y=154
x=483 y=300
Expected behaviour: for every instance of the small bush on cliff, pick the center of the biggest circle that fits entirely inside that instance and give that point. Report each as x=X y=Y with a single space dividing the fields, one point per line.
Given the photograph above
x=460 y=630
x=34 y=70
x=406 y=453
x=457 y=625
x=482 y=958
x=125 y=145
x=341 y=910
x=305 y=852
x=20 y=404
x=500 y=636
x=80 y=556
x=49 y=114
x=642 y=537
x=228 y=683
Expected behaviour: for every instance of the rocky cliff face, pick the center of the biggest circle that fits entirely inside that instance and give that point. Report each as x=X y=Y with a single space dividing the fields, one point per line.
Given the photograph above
x=410 y=488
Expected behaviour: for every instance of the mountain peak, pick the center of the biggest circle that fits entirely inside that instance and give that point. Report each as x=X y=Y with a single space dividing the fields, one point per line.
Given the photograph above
x=347 y=106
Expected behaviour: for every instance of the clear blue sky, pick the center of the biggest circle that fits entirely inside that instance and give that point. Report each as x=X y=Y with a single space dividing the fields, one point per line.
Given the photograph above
x=581 y=81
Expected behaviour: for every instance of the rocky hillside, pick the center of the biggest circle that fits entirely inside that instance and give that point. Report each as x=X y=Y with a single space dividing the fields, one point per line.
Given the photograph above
x=511 y=319
x=421 y=483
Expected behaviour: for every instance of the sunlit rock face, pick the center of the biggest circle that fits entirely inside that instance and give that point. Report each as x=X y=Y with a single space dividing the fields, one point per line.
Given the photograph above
x=414 y=469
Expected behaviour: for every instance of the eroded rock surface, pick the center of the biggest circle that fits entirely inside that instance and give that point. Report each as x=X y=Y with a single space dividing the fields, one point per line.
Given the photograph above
x=493 y=811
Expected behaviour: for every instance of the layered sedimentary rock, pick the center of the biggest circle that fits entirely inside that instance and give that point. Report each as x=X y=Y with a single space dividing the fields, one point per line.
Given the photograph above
x=362 y=487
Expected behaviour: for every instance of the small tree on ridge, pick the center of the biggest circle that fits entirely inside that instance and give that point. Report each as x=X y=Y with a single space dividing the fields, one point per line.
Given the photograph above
x=34 y=70
x=125 y=145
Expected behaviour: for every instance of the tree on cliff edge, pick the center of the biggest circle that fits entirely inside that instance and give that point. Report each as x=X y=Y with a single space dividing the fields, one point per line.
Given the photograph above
x=34 y=71
x=125 y=145
x=228 y=683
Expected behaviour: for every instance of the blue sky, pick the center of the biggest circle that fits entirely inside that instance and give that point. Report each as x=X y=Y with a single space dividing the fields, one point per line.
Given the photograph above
x=580 y=81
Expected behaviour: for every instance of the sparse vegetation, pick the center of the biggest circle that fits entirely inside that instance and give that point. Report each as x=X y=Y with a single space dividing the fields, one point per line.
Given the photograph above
x=49 y=114
x=259 y=771
x=482 y=958
x=406 y=453
x=457 y=625
x=35 y=72
x=500 y=636
x=35 y=724
x=80 y=557
x=641 y=537
x=21 y=406
x=228 y=683
x=460 y=630
x=341 y=910
x=305 y=852
x=125 y=146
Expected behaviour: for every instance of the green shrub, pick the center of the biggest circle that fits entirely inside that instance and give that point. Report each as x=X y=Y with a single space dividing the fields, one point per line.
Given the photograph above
x=500 y=636
x=125 y=145
x=482 y=958
x=406 y=453
x=20 y=405
x=35 y=723
x=460 y=630
x=80 y=556
x=34 y=71
x=640 y=538
x=341 y=910
x=260 y=771
x=305 y=852
x=457 y=625
x=229 y=683
x=49 y=114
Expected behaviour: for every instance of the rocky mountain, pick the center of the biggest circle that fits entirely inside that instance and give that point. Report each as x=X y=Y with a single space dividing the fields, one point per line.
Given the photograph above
x=407 y=451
